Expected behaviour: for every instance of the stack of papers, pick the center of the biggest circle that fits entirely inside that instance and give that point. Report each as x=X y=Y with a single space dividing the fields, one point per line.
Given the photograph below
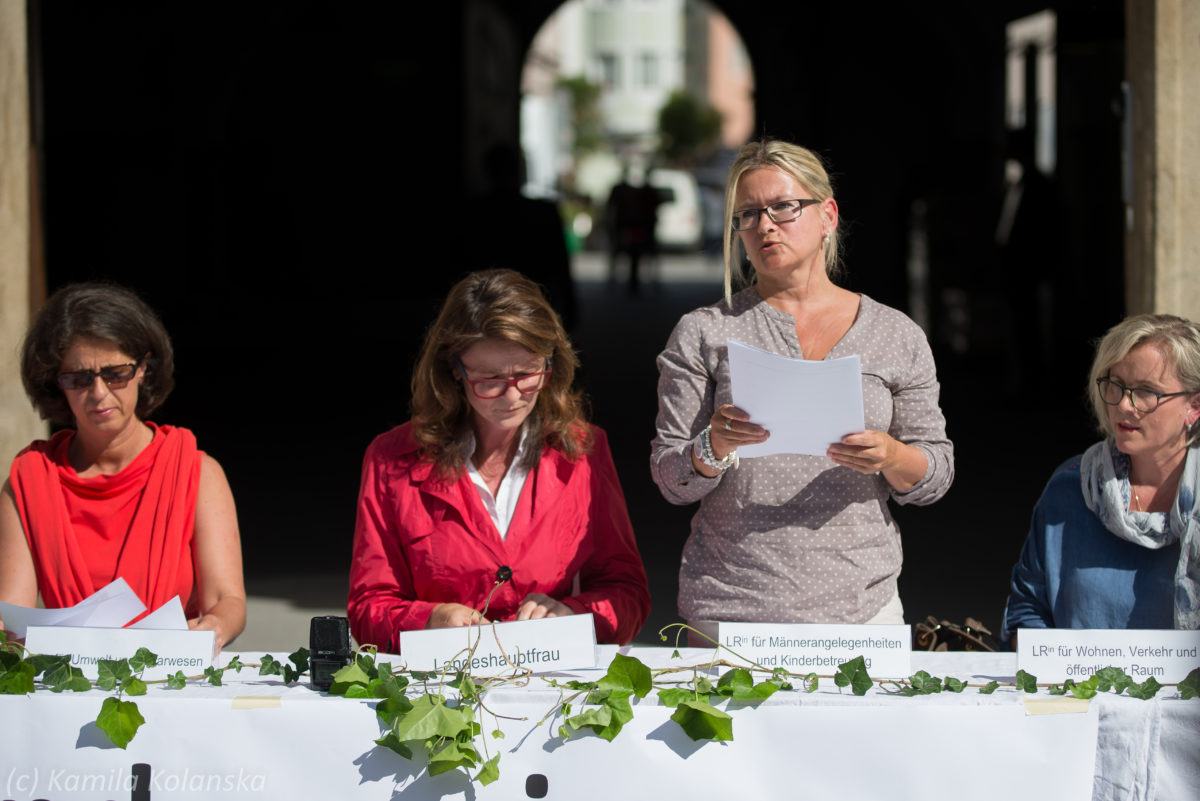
x=111 y=607
x=806 y=405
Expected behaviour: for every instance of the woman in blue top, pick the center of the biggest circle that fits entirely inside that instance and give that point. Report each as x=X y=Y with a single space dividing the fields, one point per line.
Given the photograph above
x=1115 y=538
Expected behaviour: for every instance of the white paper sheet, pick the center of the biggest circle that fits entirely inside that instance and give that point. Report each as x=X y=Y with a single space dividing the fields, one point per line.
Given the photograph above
x=111 y=606
x=806 y=405
x=168 y=616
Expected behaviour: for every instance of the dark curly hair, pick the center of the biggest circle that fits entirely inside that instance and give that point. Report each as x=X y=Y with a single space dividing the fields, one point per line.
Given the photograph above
x=505 y=305
x=103 y=312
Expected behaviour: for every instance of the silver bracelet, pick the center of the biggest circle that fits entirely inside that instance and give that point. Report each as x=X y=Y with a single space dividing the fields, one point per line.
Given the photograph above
x=704 y=452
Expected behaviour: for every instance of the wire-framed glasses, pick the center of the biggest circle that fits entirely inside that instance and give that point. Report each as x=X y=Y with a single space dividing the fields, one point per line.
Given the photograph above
x=490 y=388
x=1144 y=399
x=783 y=211
x=116 y=376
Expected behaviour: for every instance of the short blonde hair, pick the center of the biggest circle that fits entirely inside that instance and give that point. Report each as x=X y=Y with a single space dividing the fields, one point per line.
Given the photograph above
x=802 y=164
x=1176 y=338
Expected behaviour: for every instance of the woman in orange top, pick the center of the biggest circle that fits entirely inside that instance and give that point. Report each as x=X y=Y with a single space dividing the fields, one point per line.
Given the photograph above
x=115 y=496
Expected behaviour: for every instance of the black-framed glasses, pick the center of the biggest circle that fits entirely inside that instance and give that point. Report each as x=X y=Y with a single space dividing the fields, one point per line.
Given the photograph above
x=491 y=388
x=1144 y=399
x=783 y=211
x=116 y=376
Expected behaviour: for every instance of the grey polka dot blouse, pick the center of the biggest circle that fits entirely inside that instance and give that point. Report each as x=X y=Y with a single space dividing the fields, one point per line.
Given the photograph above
x=794 y=538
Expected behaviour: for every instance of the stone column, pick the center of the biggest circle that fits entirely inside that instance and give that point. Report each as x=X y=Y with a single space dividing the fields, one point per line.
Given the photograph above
x=1162 y=235
x=18 y=288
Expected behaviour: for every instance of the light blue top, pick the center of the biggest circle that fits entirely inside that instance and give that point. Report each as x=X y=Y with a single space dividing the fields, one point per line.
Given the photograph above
x=1073 y=573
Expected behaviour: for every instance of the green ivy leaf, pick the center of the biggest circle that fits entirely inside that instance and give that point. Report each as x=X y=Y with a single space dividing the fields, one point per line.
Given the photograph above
x=430 y=717
x=1085 y=689
x=1054 y=689
x=465 y=686
x=177 y=681
x=45 y=663
x=290 y=674
x=390 y=740
x=734 y=681
x=671 y=697
x=120 y=720
x=134 y=686
x=1146 y=690
x=111 y=672
x=954 y=685
x=213 y=674
x=269 y=666
x=395 y=702
x=702 y=721
x=235 y=664
x=348 y=676
x=423 y=675
x=455 y=755
x=64 y=677
x=811 y=682
x=17 y=679
x=924 y=684
x=628 y=673
x=1026 y=682
x=142 y=659
x=1189 y=688
x=299 y=658
x=854 y=675
x=704 y=686
x=607 y=719
x=490 y=771
x=497 y=735
x=989 y=688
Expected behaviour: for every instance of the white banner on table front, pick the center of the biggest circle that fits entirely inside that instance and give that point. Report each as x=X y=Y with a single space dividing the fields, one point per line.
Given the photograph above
x=821 y=647
x=189 y=651
x=549 y=644
x=1055 y=655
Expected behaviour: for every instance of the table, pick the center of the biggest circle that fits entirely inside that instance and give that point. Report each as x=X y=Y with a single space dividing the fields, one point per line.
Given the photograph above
x=256 y=738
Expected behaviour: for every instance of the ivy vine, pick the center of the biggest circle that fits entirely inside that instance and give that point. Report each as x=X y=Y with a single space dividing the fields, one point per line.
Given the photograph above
x=437 y=717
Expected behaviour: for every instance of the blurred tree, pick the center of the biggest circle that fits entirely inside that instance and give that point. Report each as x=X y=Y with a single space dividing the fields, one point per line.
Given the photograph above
x=586 y=120
x=687 y=129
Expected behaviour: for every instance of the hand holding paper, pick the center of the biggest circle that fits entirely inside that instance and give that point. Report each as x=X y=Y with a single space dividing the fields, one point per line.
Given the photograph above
x=806 y=405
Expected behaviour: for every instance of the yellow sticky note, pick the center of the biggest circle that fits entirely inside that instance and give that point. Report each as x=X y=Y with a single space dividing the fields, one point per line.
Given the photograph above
x=257 y=702
x=1055 y=706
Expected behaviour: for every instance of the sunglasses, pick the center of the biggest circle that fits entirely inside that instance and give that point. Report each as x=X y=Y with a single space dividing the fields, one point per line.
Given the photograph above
x=115 y=376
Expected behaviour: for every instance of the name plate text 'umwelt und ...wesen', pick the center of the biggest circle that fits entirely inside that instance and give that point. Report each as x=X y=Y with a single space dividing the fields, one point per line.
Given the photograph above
x=549 y=644
x=1055 y=655
x=187 y=651
x=821 y=647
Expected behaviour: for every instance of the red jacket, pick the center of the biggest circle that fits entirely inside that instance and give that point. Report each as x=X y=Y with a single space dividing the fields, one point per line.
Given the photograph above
x=420 y=541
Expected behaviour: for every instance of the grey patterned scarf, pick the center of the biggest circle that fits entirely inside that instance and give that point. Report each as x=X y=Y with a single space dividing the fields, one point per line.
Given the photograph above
x=1105 y=479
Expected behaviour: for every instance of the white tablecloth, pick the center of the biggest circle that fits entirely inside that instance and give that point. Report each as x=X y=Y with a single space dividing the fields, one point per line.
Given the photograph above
x=256 y=739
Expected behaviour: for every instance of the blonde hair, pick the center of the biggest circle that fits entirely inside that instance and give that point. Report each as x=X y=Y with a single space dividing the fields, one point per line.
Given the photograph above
x=1177 y=339
x=800 y=163
x=504 y=305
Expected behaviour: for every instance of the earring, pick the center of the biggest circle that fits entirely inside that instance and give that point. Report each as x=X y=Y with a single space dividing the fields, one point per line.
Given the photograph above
x=826 y=239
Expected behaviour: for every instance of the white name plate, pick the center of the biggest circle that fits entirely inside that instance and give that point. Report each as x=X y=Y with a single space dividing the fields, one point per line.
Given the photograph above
x=821 y=647
x=1055 y=655
x=545 y=645
x=189 y=651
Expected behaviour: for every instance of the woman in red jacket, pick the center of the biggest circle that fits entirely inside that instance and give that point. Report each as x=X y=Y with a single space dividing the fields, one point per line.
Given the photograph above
x=497 y=500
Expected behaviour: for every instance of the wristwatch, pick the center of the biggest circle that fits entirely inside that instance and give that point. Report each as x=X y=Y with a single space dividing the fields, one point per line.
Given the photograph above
x=702 y=447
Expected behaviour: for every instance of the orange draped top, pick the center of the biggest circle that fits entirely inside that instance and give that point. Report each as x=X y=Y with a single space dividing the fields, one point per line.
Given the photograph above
x=136 y=524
